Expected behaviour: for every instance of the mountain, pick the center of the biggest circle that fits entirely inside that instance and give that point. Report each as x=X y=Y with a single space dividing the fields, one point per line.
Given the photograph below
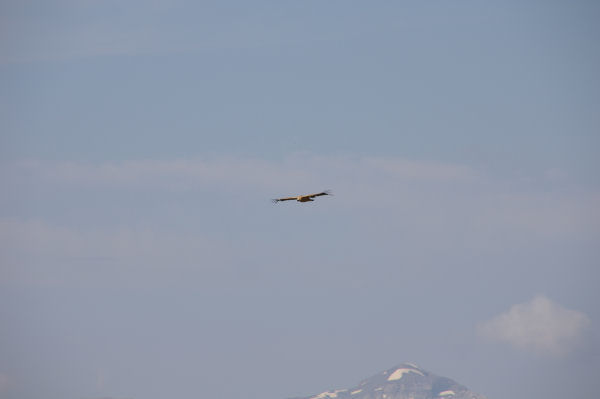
x=405 y=381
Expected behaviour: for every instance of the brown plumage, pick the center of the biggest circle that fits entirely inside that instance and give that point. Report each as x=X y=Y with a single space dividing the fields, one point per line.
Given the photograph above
x=302 y=198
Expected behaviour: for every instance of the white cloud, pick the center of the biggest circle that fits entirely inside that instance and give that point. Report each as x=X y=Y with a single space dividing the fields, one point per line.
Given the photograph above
x=540 y=325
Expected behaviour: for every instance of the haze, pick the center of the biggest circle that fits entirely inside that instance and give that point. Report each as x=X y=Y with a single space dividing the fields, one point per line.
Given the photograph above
x=141 y=143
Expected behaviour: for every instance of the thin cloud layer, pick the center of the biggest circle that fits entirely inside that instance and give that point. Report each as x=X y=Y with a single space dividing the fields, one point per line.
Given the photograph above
x=446 y=188
x=540 y=325
x=38 y=242
x=5 y=382
x=242 y=172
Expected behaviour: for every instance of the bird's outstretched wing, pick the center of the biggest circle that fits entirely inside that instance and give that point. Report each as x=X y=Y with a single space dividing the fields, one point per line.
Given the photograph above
x=276 y=200
x=326 y=192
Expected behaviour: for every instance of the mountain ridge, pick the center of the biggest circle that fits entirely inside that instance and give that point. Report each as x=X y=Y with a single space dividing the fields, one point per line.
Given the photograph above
x=404 y=381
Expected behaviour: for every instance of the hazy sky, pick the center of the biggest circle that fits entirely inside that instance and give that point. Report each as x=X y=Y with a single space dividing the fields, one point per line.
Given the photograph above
x=141 y=141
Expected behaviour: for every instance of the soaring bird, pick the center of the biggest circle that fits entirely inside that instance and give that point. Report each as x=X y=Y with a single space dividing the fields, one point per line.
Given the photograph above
x=302 y=198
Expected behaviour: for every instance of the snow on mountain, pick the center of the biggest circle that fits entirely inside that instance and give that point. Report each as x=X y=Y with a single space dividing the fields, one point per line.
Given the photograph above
x=405 y=381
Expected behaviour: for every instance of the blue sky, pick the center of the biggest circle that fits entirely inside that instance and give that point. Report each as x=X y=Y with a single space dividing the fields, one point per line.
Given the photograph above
x=141 y=143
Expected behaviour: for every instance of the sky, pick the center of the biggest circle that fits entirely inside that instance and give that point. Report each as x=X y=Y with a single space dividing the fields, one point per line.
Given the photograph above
x=141 y=143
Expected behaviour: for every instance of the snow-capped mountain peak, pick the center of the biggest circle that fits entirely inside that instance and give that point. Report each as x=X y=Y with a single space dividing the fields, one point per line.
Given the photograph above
x=405 y=381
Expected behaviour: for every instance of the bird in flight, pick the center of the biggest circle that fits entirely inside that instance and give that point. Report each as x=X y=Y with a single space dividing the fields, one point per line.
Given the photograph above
x=302 y=198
